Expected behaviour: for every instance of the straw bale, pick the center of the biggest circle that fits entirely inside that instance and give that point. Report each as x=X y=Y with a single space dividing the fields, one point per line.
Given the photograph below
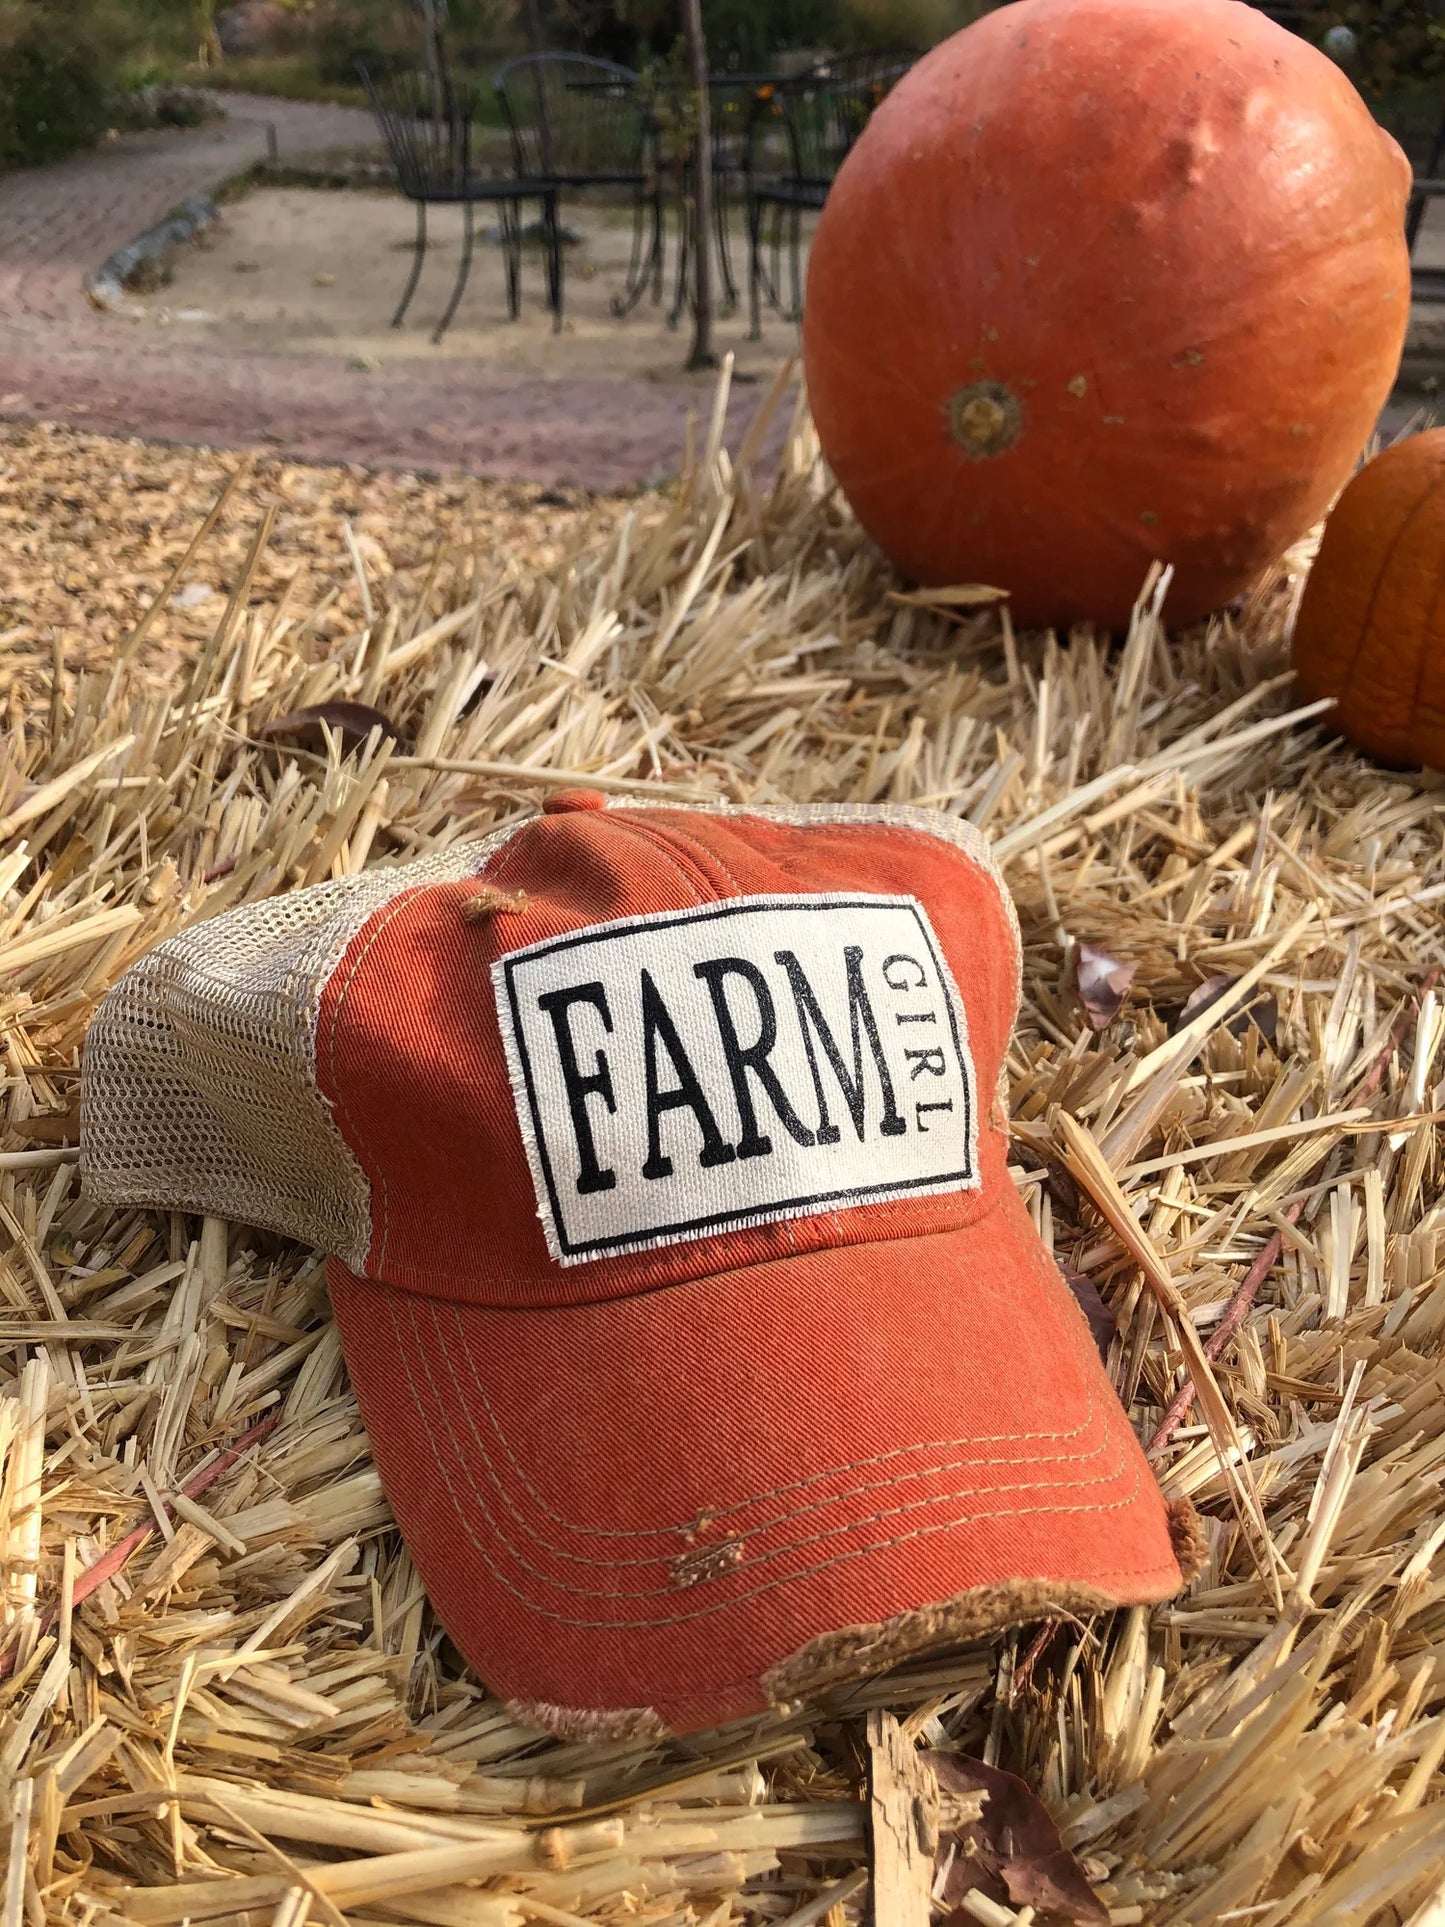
x=224 y=1697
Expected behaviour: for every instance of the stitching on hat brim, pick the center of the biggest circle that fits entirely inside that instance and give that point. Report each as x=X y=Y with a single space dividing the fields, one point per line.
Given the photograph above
x=1071 y=1452
x=730 y=1601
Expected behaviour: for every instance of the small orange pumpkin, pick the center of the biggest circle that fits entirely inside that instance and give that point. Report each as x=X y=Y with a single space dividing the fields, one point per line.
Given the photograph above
x=1371 y=623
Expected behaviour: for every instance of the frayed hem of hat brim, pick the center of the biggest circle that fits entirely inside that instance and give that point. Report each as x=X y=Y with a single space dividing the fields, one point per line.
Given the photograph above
x=1188 y=1539
x=855 y=1653
x=597 y=1724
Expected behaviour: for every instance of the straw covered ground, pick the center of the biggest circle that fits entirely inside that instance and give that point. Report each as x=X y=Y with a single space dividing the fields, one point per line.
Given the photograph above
x=224 y=1696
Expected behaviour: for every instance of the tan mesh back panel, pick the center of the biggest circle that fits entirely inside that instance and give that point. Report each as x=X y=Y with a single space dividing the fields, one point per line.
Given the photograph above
x=199 y=1090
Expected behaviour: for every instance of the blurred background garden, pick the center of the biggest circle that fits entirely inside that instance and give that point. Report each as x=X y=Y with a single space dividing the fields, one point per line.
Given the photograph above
x=71 y=71
x=394 y=230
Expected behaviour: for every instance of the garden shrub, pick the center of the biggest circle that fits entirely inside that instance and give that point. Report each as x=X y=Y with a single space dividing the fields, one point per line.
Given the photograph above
x=1395 y=54
x=150 y=40
x=1399 y=67
x=379 y=32
x=160 y=104
x=54 y=95
x=1400 y=43
x=909 y=23
x=751 y=35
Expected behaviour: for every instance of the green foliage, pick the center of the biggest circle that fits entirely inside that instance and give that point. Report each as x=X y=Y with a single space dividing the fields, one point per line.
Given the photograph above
x=482 y=22
x=752 y=35
x=749 y=34
x=1399 y=43
x=666 y=86
x=1394 y=52
x=379 y=32
x=746 y=34
x=288 y=76
x=72 y=70
x=1392 y=43
x=53 y=91
x=910 y=23
x=387 y=35
x=150 y=40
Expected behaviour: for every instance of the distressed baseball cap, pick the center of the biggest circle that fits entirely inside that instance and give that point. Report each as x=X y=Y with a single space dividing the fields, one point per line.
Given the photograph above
x=708 y=1354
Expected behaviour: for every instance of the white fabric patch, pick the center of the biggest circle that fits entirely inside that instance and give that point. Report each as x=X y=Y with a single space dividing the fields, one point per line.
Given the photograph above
x=743 y=1062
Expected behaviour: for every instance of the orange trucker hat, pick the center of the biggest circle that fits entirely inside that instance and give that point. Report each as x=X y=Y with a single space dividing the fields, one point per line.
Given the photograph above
x=708 y=1354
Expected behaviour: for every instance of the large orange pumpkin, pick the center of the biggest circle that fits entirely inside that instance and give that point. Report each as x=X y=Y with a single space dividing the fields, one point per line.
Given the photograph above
x=1105 y=281
x=1371 y=623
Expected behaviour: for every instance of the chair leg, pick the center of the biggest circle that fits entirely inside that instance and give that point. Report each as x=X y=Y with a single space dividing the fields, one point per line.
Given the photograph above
x=720 y=211
x=552 y=232
x=1415 y=207
x=512 y=250
x=775 y=262
x=462 y=273
x=658 y=241
x=755 y=270
x=642 y=262
x=686 y=242
x=795 y=237
x=418 y=255
x=1414 y=218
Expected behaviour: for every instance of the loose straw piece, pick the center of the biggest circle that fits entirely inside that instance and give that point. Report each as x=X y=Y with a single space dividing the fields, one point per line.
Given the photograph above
x=850 y=1887
x=112 y=1562
x=1248 y=1289
x=1087 y=1165
x=554 y=778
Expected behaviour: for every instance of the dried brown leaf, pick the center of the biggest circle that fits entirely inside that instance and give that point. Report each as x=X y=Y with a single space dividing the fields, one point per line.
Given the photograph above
x=61 y=1129
x=351 y=722
x=1262 y=1011
x=1102 y=1322
x=1014 y=1852
x=1102 y=985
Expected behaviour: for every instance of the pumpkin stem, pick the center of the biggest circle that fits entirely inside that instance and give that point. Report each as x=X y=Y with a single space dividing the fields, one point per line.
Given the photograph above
x=984 y=419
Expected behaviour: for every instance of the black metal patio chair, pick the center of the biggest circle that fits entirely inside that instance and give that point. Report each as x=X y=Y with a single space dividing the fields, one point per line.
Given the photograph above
x=821 y=115
x=429 y=124
x=730 y=102
x=733 y=102
x=576 y=122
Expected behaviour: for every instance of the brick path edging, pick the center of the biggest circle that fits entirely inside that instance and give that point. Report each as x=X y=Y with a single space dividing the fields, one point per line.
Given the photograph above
x=106 y=286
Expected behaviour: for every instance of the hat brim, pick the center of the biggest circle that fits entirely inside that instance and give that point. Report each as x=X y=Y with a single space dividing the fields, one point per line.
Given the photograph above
x=662 y=1512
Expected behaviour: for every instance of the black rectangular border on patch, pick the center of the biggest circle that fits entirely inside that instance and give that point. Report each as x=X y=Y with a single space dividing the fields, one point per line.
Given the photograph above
x=778 y=1209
